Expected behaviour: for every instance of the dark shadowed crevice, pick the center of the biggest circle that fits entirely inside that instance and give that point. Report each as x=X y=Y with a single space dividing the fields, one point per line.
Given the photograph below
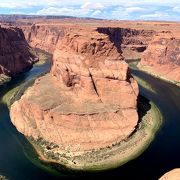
x=94 y=85
x=125 y=37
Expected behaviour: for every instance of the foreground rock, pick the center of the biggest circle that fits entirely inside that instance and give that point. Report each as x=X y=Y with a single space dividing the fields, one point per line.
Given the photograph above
x=171 y=175
x=15 y=56
x=87 y=102
x=162 y=57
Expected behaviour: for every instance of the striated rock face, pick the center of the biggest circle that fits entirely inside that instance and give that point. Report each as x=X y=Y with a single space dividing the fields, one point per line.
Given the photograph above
x=88 y=100
x=131 y=42
x=171 y=175
x=162 y=56
x=15 y=56
x=44 y=36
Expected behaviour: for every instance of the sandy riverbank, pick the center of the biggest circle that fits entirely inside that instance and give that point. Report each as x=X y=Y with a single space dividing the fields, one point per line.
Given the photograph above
x=152 y=73
x=4 y=79
x=135 y=64
x=109 y=157
x=106 y=158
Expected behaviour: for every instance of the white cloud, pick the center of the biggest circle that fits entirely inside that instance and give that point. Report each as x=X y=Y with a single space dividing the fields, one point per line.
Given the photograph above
x=176 y=9
x=96 y=13
x=93 y=6
x=134 y=9
x=88 y=9
x=90 y=3
x=17 y=12
x=122 y=12
x=62 y=11
x=8 y=5
x=119 y=13
x=156 y=16
x=18 y=4
x=110 y=9
x=147 y=2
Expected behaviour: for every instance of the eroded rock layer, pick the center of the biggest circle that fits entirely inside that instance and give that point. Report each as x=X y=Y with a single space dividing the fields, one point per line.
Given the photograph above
x=88 y=101
x=15 y=56
x=131 y=42
x=44 y=37
x=171 y=175
x=162 y=56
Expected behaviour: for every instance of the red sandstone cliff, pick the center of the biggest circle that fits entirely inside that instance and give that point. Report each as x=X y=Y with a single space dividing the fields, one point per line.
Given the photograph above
x=162 y=56
x=89 y=98
x=44 y=37
x=131 y=42
x=158 y=51
x=15 y=56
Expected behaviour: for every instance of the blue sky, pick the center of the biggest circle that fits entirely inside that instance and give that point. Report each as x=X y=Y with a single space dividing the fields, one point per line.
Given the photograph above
x=107 y=9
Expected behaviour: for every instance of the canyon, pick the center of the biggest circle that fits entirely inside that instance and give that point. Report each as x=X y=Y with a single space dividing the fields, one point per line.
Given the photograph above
x=162 y=57
x=15 y=55
x=155 y=43
x=88 y=101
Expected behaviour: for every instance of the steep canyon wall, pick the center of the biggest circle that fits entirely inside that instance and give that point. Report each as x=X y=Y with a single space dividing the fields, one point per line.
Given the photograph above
x=90 y=98
x=162 y=57
x=15 y=55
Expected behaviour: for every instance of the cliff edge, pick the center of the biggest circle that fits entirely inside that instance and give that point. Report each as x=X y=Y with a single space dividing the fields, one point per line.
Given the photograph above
x=87 y=102
x=15 y=55
x=162 y=57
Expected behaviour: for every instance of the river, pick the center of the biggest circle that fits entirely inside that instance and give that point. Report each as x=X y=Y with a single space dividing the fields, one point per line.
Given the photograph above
x=14 y=163
x=161 y=156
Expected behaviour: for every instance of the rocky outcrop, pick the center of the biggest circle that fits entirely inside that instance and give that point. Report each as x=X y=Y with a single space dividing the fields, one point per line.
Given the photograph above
x=171 y=175
x=162 y=57
x=15 y=56
x=44 y=36
x=131 y=42
x=88 y=101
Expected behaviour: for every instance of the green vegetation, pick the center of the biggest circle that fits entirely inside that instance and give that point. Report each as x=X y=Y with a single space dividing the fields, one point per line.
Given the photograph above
x=10 y=95
x=133 y=62
x=42 y=55
x=47 y=148
x=133 y=65
x=32 y=155
x=16 y=93
x=126 y=150
x=3 y=177
x=111 y=156
x=148 y=70
x=144 y=84
x=108 y=157
x=4 y=79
